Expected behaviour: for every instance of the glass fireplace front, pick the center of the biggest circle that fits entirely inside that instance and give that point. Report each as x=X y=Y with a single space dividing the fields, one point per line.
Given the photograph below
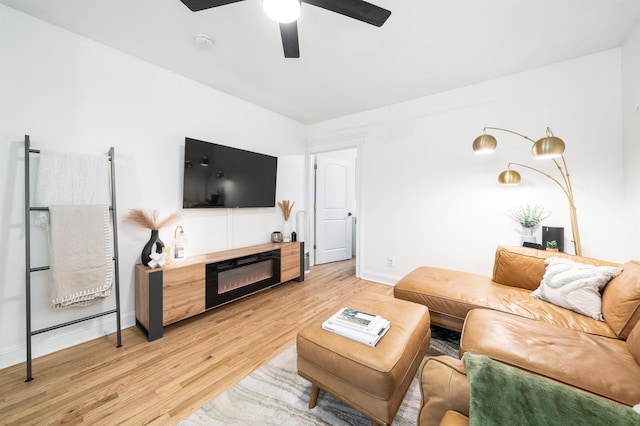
x=233 y=279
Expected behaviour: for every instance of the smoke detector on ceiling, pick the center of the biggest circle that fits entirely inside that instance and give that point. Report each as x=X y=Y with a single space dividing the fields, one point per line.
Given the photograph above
x=203 y=41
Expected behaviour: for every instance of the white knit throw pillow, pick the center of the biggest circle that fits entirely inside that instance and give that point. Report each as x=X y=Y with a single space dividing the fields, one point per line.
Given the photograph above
x=575 y=286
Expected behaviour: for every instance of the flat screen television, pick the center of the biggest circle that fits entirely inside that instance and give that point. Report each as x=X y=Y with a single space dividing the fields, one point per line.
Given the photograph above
x=218 y=176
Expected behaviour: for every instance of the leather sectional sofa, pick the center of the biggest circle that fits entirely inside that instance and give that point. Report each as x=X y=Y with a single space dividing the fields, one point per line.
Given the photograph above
x=499 y=317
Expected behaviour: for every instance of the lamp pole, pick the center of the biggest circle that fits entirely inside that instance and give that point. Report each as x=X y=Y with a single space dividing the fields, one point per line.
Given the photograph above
x=551 y=147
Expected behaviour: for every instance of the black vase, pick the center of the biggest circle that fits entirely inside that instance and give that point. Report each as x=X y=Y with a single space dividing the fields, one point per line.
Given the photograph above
x=148 y=248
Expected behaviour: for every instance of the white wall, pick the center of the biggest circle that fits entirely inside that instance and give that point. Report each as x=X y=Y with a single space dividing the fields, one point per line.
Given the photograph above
x=429 y=200
x=631 y=132
x=71 y=94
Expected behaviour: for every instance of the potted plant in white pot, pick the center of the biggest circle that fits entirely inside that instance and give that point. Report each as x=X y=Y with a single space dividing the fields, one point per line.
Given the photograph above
x=529 y=218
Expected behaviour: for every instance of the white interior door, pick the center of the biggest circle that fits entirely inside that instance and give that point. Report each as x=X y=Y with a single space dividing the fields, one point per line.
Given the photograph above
x=334 y=195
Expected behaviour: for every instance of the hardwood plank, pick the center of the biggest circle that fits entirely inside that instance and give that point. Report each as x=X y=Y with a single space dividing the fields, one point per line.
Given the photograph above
x=164 y=381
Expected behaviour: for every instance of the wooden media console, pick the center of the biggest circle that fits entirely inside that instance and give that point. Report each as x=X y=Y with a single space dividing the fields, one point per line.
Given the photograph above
x=189 y=287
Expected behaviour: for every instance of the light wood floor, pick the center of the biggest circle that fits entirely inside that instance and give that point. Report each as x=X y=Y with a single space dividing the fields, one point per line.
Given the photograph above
x=164 y=381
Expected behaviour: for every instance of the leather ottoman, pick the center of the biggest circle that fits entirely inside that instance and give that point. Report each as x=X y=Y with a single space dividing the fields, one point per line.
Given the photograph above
x=372 y=380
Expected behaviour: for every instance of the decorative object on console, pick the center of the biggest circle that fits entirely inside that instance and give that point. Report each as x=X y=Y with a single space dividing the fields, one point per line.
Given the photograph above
x=150 y=221
x=167 y=254
x=154 y=245
x=527 y=236
x=575 y=286
x=552 y=245
x=179 y=244
x=286 y=232
x=533 y=245
x=529 y=218
x=549 y=146
x=552 y=233
x=286 y=206
x=276 y=237
x=158 y=260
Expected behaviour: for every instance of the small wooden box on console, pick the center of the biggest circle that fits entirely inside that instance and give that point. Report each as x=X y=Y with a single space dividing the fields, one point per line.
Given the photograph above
x=189 y=287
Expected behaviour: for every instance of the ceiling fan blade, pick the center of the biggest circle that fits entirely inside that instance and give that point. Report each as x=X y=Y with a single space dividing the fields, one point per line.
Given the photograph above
x=289 y=33
x=197 y=5
x=356 y=9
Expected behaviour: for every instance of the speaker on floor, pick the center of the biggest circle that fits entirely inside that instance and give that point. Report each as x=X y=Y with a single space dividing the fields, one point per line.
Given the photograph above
x=550 y=233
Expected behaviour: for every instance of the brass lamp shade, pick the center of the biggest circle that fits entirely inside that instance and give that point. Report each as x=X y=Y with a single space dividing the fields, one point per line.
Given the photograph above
x=484 y=144
x=548 y=147
x=509 y=177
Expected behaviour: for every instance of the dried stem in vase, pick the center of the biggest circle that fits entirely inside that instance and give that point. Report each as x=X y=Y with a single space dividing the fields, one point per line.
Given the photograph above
x=286 y=206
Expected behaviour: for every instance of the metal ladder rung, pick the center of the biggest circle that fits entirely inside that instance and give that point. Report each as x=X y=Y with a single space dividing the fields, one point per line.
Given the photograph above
x=46 y=209
x=90 y=317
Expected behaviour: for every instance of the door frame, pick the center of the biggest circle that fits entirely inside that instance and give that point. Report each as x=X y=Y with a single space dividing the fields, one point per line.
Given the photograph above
x=317 y=146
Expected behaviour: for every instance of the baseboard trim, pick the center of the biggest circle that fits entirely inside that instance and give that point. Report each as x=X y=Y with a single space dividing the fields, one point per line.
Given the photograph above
x=380 y=278
x=46 y=343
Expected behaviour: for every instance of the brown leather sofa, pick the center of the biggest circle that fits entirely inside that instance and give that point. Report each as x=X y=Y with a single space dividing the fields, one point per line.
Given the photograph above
x=499 y=318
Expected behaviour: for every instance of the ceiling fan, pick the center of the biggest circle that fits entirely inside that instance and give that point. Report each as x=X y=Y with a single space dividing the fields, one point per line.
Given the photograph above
x=356 y=9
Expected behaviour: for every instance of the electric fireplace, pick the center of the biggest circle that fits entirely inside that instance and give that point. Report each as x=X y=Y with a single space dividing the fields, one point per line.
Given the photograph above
x=233 y=279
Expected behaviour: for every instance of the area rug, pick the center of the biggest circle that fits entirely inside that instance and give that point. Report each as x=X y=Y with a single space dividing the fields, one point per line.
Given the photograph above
x=274 y=394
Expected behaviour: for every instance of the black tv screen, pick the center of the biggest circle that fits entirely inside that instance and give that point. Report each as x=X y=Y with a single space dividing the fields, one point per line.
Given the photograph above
x=218 y=176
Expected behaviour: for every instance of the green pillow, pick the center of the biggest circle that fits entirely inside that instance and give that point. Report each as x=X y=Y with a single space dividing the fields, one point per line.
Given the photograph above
x=504 y=395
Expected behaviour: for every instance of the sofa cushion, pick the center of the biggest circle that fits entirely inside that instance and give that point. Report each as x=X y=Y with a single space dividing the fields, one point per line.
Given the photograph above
x=518 y=267
x=555 y=352
x=449 y=294
x=518 y=301
x=524 y=267
x=621 y=300
x=444 y=387
x=453 y=418
x=575 y=286
x=633 y=343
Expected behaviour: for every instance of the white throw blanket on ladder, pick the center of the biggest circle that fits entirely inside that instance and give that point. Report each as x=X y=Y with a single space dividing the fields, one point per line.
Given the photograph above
x=81 y=257
x=76 y=188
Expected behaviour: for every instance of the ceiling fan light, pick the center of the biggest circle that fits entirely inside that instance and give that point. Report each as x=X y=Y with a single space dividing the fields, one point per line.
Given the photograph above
x=484 y=144
x=509 y=177
x=283 y=11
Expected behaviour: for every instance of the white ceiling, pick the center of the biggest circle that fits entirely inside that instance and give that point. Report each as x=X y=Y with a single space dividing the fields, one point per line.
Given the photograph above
x=425 y=47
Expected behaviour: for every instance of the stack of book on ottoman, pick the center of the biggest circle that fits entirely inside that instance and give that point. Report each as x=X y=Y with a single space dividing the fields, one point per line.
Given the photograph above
x=357 y=325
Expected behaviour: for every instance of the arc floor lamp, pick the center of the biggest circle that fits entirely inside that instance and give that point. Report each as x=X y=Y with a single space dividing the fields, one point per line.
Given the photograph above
x=550 y=147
